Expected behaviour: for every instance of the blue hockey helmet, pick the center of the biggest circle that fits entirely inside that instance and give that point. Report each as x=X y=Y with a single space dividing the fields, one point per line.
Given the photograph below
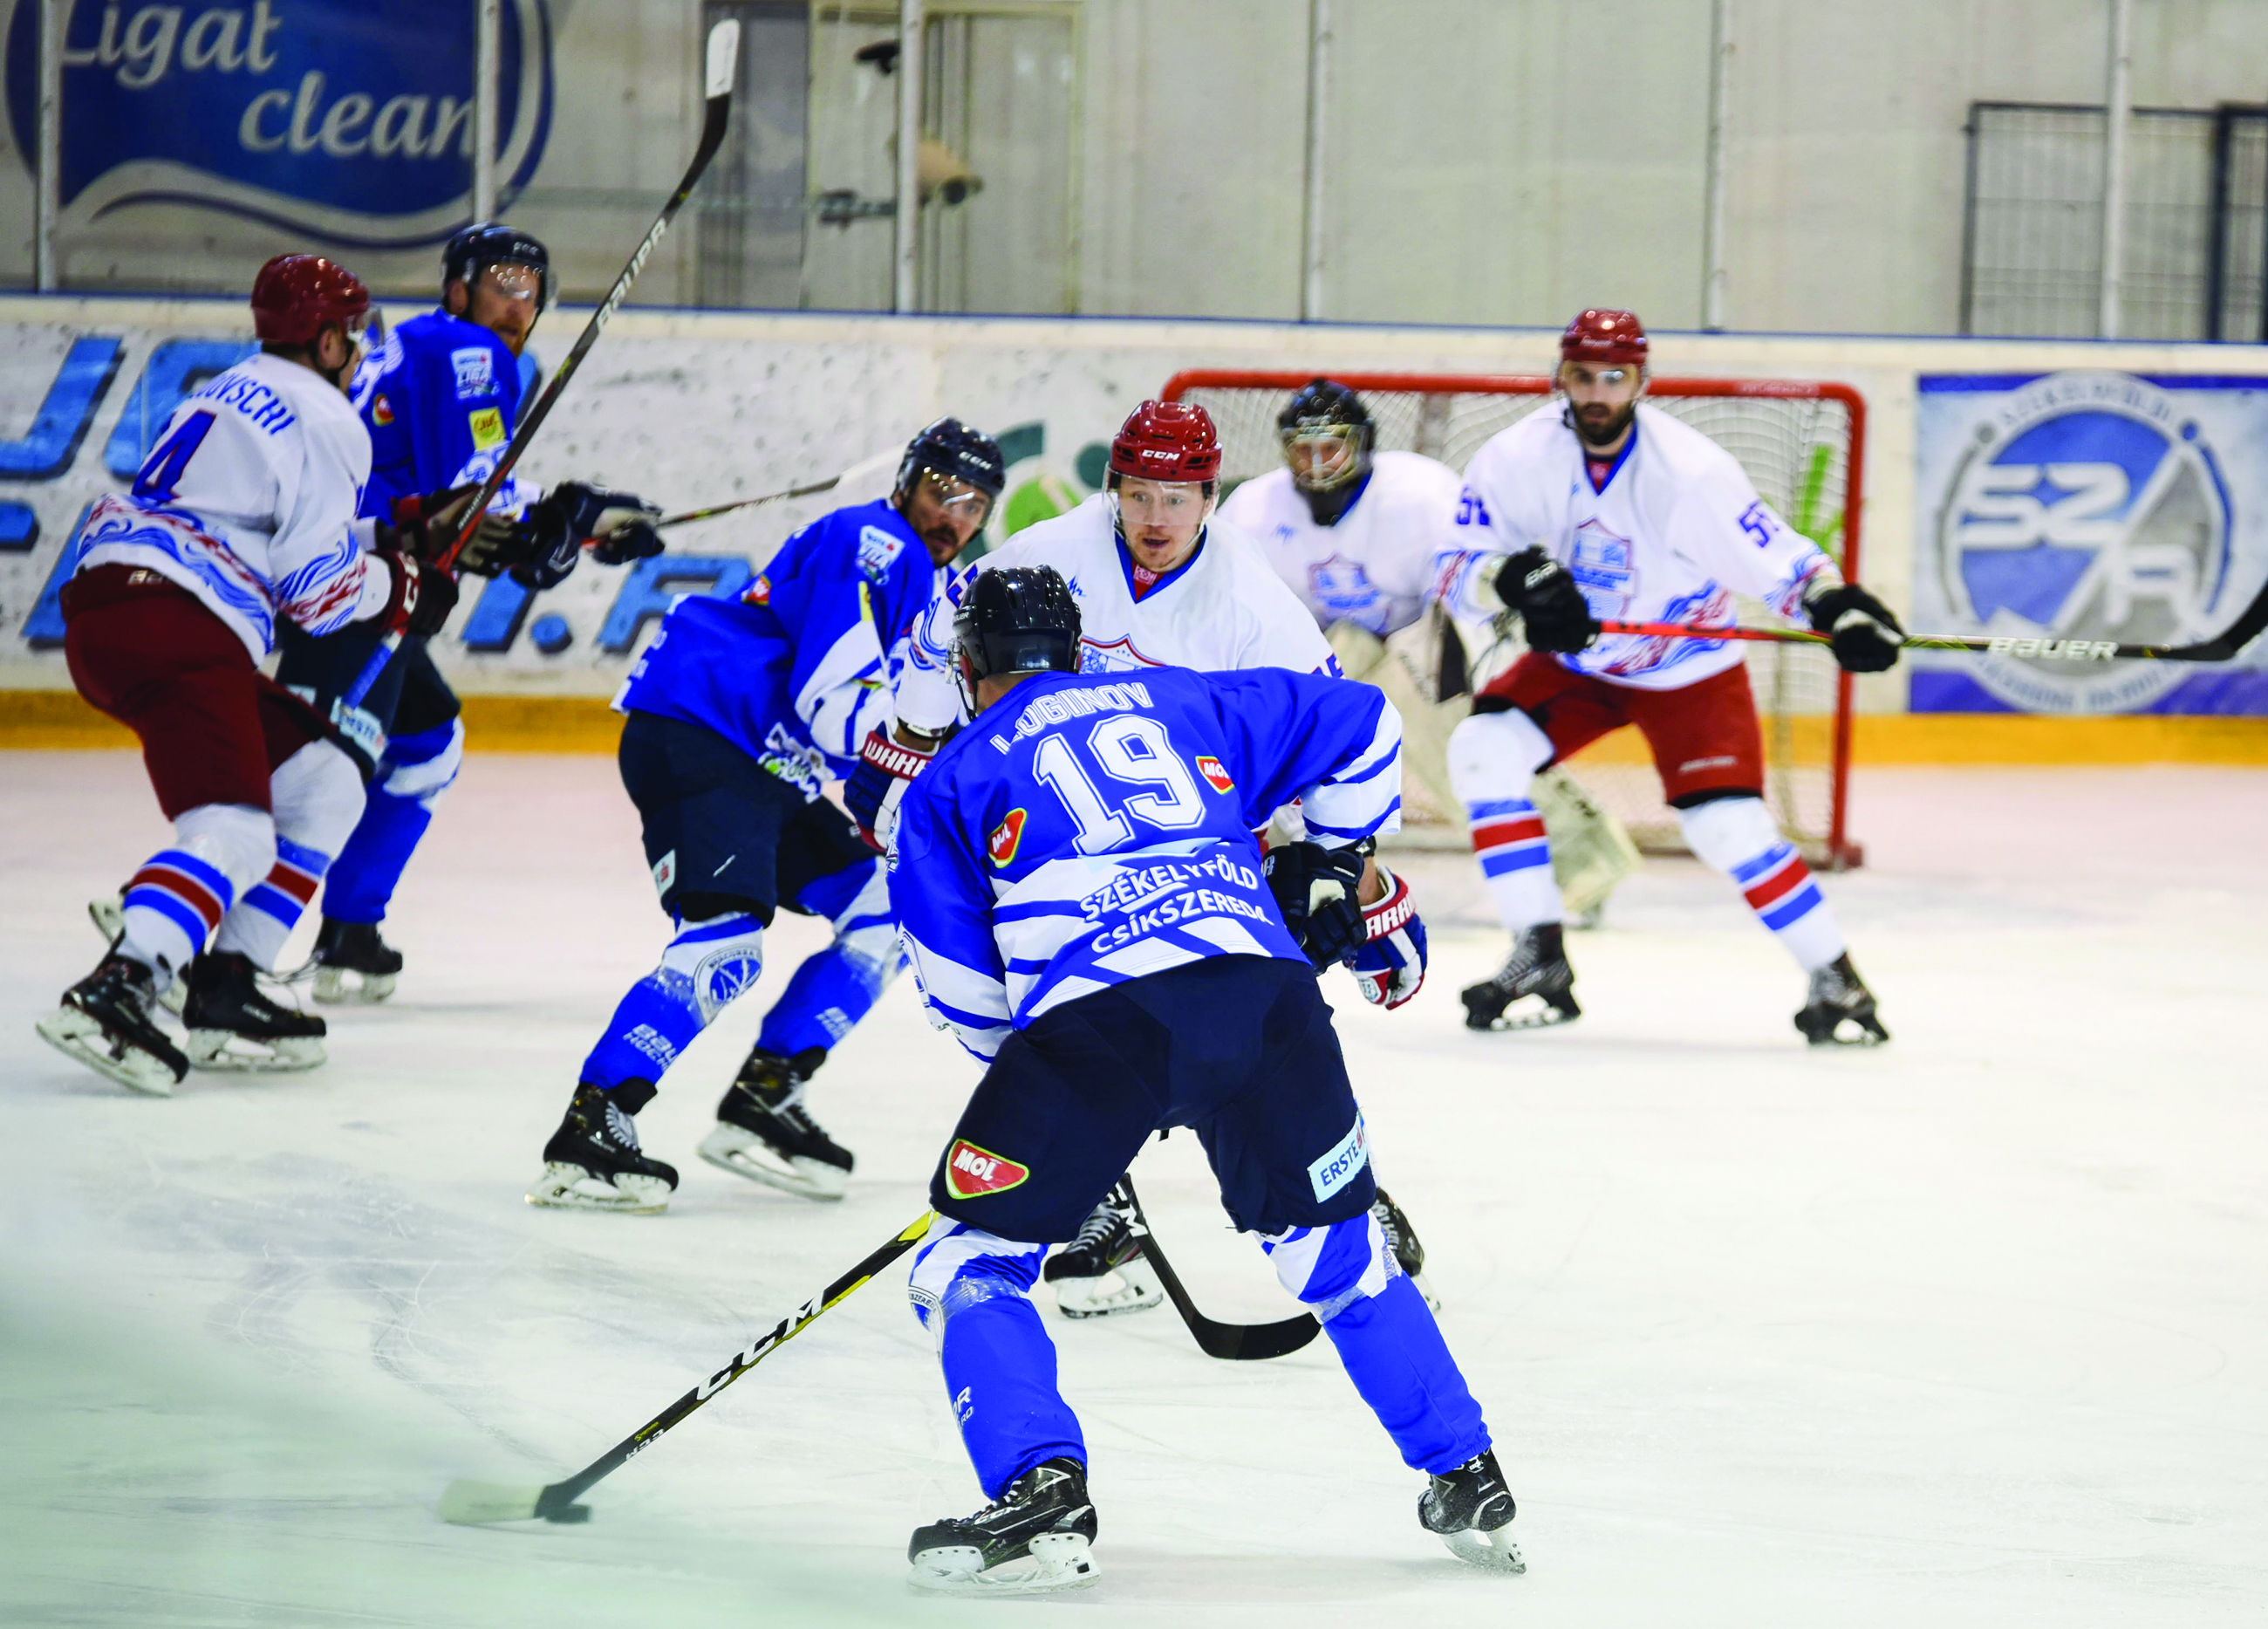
x=1018 y=619
x=488 y=243
x=956 y=452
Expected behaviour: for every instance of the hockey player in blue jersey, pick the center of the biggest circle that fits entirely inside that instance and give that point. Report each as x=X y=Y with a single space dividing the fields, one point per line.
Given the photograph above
x=740 y=711
x=439 y=399
x=1085 y=905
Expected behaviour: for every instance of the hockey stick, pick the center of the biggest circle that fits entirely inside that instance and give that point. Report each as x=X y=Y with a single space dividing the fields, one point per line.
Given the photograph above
x=1232 y=1341
x=2223 y=646
x=471 y=1504
x=864 y=467
x=723 y=57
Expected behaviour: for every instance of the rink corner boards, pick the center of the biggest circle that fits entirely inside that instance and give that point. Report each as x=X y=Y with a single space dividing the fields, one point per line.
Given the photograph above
x=43 y=718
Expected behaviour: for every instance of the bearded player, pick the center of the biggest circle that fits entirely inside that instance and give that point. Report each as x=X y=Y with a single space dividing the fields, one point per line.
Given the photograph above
x=1611 y=508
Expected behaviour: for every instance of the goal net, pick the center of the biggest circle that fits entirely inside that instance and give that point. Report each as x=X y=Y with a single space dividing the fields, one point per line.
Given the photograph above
x=1801 y=443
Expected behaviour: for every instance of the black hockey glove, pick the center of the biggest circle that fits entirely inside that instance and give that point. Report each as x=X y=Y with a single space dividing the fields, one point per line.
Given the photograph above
x=1865 y=635
x=423 y=525
x=1315 y=887
x=423 y=595
x=1551 y=608
x=551 y=540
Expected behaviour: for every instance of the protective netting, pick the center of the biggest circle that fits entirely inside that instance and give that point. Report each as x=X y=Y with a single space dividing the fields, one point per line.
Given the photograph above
x=1794 y=440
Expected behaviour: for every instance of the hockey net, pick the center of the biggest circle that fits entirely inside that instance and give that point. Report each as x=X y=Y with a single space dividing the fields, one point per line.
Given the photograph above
x=1801 y=443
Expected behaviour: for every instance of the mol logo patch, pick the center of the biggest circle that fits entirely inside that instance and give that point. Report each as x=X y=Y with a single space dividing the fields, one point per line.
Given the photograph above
x=757 y=593
x=971 y=1172
x=381 y=410
x=1216 y=777
x=488 y=429
x=1005 y=836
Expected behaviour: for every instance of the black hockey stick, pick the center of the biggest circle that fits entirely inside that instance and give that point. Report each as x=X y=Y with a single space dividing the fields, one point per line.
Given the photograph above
x=470 y=1504
x=723 y=57
x=1232 y=1341
x=879 y=461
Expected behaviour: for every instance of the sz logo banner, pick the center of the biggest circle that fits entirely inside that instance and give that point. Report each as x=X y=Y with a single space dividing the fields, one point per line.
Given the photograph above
x=334 y=120
x=2088 y=506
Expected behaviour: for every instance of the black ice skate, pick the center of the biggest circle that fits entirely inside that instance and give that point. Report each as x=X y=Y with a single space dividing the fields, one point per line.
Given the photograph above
x=1537 y=967
x=1402 y=1239
x=233 y=1025
x=352 y=963
x=1102 y=1271
x=1039 y=1535
x=104 y=1022
x=1838 y=995
x=108 y=914
x=765 y=1133
x=1472 y=1509
x=592 y=1162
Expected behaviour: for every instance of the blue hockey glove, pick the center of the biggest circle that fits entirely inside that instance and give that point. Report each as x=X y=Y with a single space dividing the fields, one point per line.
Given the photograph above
x=619 y=526
x=1315 y=889
x=1390 y=965
x=878 y=785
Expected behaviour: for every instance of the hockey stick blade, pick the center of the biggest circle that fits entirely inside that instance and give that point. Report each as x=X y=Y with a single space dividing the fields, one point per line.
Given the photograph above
x=863 y=468
x=723 y=59
x=477 y=1504
x=1231 y=1342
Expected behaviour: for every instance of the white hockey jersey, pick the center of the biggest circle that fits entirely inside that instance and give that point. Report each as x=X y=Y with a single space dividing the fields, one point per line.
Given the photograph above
x=248 y=502
x=1376 y=567
x=1221 y=608
x=1676 y=529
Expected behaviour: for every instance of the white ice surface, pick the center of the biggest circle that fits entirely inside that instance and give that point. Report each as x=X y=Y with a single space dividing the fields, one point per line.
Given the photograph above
x=1967 y=1331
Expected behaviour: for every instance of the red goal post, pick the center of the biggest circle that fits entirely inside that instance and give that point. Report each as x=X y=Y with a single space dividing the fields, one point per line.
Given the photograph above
x=1802 y=443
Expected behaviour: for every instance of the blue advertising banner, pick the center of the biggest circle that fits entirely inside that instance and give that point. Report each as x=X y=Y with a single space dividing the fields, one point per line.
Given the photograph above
x=2088 y=506
x=342 y=122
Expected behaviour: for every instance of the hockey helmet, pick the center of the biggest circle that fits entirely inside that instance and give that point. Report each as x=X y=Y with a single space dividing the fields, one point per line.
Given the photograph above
x=1602 y=336
x=1327 y=435
x=952 y=450
x=1018 y=619
x=484 y=244
x=1167 y=441
x=295 y=297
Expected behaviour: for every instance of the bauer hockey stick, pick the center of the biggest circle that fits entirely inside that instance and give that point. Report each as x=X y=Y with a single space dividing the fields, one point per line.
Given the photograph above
x=865 y=466
x=471 y=1504
x=723 y=58
x=1232 y=1341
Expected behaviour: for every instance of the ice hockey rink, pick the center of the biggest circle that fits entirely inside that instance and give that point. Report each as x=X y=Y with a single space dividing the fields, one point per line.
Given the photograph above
x=1964 y=1330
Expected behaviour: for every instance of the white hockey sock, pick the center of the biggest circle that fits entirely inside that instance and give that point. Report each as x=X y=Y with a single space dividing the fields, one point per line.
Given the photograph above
x=1737 y=837
x=317 y=794
x=1493 y=758
x=182 y=894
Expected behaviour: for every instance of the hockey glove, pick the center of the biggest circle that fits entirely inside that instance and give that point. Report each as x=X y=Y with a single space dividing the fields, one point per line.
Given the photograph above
x=551 y=540
x=1390 y=967
x=421 y=596
x=1864 y=633
x=1314 y=887
x=424 y=524
x=1551 y=608
x=878 y=785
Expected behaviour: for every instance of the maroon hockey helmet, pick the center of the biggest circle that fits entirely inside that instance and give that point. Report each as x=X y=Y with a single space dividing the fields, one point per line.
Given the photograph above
x=1172 y=441
x=295 y=297
x=1597 y=336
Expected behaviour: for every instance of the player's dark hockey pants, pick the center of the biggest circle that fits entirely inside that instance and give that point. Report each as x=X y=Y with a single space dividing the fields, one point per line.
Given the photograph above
x=1239 y=1049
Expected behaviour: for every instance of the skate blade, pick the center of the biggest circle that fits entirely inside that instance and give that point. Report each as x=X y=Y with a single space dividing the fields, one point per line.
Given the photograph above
x=1848 y=1029
x=226 y=1051
x=1131 y=1286
x=1057 y=1561
x=108 y=916
x=1550 y=1015
x=78 y=1037
x=571 y=1188
x=1494 y=1553
x=744 y=1154
x=337 y=986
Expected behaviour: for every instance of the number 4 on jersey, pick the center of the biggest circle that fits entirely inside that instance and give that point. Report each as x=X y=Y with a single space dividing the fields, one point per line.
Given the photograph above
x=161 y=471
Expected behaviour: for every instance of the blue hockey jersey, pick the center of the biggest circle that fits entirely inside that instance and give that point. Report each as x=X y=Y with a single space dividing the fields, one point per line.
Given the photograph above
x=1079 y=834
x=795 y=672
x=440 y=398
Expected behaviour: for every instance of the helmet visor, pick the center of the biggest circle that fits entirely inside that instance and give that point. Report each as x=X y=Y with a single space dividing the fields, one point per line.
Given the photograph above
x=1322 y=456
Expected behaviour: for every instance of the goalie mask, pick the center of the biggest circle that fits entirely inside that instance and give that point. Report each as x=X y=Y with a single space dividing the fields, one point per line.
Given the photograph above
x=1018 y=620
x=1327 y=437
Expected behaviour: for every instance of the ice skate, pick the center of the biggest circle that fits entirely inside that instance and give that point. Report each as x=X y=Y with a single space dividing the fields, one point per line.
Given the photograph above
x=1472 y=1510
x=1537 y=967
x=1837 y=997
x=352 y=963
x=108 y=914
x=104 y=1022
x=1402 y=1239
x=764 y=1133
x=1101 y=1271
x=592 y=1162
x=234 y=1026
x=1039 y=1535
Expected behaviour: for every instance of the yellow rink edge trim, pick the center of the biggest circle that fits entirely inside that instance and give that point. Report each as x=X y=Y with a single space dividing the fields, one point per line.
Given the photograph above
x=59 y=719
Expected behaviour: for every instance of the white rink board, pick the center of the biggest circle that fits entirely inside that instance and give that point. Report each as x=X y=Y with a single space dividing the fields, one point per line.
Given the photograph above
x=1965 y=1331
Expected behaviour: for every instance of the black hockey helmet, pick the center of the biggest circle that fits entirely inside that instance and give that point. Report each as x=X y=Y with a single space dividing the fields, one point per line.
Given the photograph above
x=1330 y=422
x=486 y=243
x=1018 y=619
x=957 y=453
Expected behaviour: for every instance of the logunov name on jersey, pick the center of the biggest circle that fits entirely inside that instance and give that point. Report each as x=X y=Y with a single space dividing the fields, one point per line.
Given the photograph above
x=1061 y=706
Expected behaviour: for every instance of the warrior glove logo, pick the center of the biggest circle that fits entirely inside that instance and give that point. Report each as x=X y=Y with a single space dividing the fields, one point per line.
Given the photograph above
x=971 y=1172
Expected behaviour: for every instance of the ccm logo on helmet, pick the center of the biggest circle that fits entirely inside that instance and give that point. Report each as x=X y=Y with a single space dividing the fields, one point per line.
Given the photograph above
x=970 y=1171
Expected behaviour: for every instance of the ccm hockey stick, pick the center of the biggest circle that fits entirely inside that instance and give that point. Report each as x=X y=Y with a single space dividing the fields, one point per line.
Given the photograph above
x=471 y=1504
x=865 y=466
x=2223 y=646
x=723 y=58
x=1232 y=1341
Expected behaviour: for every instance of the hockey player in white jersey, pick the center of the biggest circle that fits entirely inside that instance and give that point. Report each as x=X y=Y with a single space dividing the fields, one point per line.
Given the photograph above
x=244 y=512
x=1160 y=579
x=1612 y=509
